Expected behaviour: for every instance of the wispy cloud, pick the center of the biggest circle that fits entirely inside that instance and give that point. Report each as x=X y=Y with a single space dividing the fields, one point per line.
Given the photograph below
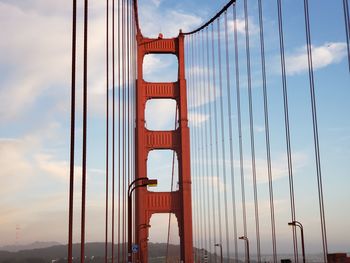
x=197 y=119
x=172 y=20
x=322 y=56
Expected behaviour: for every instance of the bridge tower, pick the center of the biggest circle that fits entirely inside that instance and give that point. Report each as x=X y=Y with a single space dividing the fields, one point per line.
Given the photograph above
x=177 y=202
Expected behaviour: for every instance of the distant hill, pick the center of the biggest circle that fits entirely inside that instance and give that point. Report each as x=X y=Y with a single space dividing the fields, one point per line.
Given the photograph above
x=35 y=245
x=94 y=253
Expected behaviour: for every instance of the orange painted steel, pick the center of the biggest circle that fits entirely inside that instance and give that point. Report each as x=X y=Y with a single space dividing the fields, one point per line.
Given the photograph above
x=179 y=202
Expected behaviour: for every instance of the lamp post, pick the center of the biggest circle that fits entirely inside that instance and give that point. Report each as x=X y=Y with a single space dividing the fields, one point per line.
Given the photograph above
x=144 y=181
x=247 y=256
x=221 y=258
x=296 y=223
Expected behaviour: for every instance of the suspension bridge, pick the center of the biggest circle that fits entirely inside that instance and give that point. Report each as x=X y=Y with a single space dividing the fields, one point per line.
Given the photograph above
x=223 y=164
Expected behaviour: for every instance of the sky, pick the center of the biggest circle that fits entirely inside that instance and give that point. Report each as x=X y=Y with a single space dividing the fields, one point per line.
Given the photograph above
x=35 y=108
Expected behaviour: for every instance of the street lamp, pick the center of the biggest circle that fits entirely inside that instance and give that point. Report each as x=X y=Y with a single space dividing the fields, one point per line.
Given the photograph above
x=247 y=256
x=219 y=245
x=144 y=181
x=296 y=223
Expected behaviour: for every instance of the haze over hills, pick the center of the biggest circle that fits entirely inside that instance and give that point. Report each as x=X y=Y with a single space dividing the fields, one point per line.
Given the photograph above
x=93 y=251
x=34 y=245
x=41 y=252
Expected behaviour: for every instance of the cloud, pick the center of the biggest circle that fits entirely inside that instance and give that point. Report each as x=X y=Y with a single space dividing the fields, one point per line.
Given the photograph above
x=240 y=23
x=150 y=18
x=197 y=119
x=160 y=68
x=279 y=166
x=160 y=114
x=157 y=2
x=322 y=56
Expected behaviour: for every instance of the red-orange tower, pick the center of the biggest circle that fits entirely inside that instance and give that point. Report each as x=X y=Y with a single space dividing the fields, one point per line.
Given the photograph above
x=178 y=202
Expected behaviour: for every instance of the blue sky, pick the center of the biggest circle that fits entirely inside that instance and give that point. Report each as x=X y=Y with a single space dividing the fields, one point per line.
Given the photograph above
x=34 y=115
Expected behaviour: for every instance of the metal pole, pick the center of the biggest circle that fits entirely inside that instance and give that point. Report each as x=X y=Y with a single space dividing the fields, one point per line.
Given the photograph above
x=302 y=240
x=248 y=254
x=221 y=257
x=296 y=223
x=129 y=228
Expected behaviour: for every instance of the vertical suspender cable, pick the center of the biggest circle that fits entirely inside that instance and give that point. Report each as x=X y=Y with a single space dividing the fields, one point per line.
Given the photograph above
x=113 y=127
x=223 y=140
x=216 y=137
x=72 y=134
x=119 y=221
x=203 y=132
x=199 y=138
x=193 y=167
x=229 y=112
x=315 y=130
x=267 y=132
x=239 y=123
x=83 y=203
x=251 y=122
x=347 y=27
x=171 y=189
x=286 y=119
x=193 y=130
x=210 y=88
x=128 y=87
x=123 y=131
x=206 y=101
x=107 y=128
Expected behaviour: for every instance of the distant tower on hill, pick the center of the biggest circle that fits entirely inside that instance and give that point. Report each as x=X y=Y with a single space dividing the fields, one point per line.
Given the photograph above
x=18 y=232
